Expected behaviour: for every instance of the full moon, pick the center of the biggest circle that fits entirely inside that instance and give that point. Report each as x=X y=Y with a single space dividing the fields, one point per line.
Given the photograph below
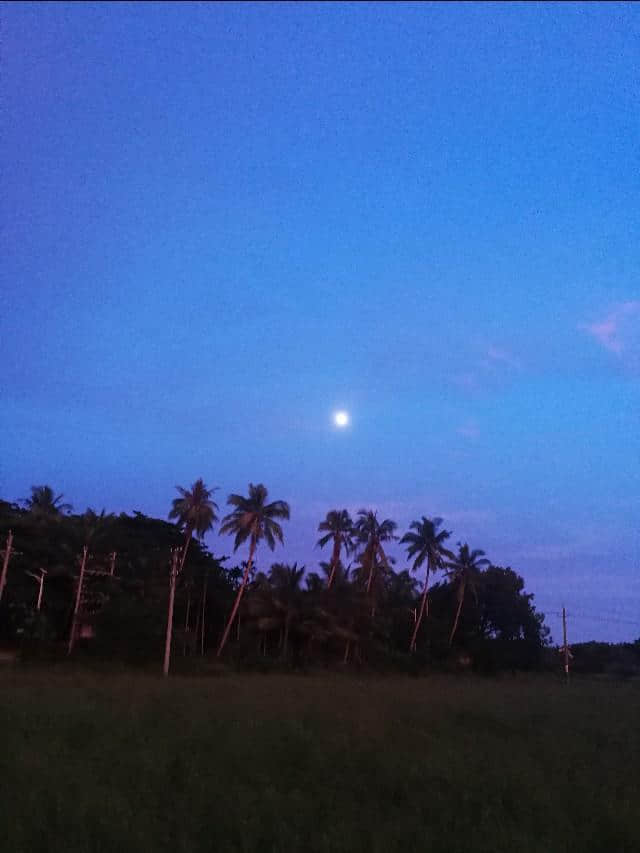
x=341 y=419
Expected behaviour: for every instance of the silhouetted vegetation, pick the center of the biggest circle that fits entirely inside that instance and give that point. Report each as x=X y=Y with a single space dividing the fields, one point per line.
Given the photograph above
x=368 y=613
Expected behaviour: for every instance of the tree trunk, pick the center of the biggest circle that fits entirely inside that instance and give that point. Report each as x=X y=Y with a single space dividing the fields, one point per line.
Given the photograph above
x=334 y=561
x=185 y=548
x=172 y=596
x=236 y=604
x=372 y=562
x=385 y=562
x=455 y=624
x=423 y=604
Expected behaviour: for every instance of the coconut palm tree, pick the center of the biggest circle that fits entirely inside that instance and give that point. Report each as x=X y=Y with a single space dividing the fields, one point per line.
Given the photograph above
x=195 y=511
x=338 y=527
x=372 y=533
x=463 y=572
x=45 y=503
x=425 y=543
x=254 y=519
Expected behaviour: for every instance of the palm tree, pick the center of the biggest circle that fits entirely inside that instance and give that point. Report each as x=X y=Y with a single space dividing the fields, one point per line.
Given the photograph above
x=463 y=572
x=338 y=527
x=425 y=543
x=195 y=511
x=45 y=503
x=254 y=519
x=285 y=583
x=372 y=533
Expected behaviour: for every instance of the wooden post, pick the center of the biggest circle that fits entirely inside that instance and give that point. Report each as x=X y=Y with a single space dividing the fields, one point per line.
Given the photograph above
x=40 y=579
x=172 y=594
x=72 y=634
x=42 y=574
x=5 y=562
x=112 y=565
x=566 y=647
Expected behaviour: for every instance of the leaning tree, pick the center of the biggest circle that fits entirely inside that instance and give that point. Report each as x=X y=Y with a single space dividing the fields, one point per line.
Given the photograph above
x=425 y=544
x=254 y=519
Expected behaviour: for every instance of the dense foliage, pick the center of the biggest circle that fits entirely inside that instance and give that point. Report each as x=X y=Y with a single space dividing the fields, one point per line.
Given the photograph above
x=367 y=613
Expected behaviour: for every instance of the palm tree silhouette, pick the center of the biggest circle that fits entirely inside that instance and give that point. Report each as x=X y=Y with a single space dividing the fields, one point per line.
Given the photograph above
x=425 y=543
x=45 y=503
x=254 y=519
x=195 y=511
x=338 y=527
x=372 y=533
x=463 y=571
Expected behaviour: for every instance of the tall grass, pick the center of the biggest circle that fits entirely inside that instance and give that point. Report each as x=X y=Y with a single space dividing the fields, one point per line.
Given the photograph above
x=252 y=763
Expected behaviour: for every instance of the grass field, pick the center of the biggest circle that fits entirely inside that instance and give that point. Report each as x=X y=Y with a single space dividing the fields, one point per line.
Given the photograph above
x=315 y=763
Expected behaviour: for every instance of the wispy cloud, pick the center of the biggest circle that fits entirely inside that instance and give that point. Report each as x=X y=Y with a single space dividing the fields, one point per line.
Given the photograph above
x=491 y=369
x=498 y=356
x=618 y=330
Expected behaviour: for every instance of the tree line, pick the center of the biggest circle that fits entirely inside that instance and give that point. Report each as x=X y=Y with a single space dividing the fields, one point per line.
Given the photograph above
x=125 y=586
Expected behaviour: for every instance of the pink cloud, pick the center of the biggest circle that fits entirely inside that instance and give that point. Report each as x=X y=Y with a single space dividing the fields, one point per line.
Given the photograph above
x=613 y=331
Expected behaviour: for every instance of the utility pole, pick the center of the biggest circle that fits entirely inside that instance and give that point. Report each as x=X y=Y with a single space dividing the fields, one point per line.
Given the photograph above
x=83 y=565
x=5 y=562
x=175 y=553
x=40 y=579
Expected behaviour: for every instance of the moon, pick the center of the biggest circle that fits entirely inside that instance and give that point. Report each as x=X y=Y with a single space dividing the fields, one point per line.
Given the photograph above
x=341 y=419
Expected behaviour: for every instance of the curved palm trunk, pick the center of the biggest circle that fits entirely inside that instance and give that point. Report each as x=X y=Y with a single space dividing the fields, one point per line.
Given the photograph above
x=334 y=562
x=172 y=596
x=423 y=606
x=372 y=562
x=236 y=603
x=455 y=624
x=185 y=547
x=385 y=562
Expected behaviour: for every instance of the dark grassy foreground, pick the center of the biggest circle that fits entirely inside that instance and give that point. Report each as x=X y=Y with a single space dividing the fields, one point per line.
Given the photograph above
x=255 y=763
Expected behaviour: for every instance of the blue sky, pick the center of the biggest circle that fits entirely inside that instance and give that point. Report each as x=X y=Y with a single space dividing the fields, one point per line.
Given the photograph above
x=223 y=222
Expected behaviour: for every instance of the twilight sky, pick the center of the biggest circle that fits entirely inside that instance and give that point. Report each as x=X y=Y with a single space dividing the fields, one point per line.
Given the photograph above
x=220 y=223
